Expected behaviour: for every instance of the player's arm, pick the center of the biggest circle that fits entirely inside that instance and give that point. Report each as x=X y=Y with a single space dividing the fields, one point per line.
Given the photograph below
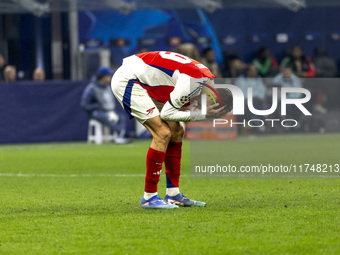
x=181 y=95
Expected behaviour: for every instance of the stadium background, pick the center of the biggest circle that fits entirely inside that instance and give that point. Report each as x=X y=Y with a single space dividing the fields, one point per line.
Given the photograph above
x=70 y=39
x=60 y=195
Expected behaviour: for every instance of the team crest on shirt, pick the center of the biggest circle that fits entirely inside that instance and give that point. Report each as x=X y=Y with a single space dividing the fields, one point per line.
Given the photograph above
x=184 y=99
x=150 y=111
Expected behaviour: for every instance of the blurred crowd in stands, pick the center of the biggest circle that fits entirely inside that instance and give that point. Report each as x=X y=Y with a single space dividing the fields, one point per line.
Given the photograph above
x=8 y=73
x=264 y=71
x=319 y=65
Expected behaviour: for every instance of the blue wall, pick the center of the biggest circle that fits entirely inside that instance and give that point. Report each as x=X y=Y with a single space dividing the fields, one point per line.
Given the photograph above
x=42 y=112
x=32 y=112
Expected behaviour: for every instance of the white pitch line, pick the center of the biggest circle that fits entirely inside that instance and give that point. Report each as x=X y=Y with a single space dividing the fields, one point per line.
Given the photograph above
x=72 y=175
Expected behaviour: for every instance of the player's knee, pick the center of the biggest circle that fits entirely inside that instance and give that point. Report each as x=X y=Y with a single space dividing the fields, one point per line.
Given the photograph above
x=163 y=135
x=178 y=132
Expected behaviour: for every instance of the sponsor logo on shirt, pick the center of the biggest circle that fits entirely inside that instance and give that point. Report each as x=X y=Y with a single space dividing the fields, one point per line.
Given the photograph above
x=150 y=111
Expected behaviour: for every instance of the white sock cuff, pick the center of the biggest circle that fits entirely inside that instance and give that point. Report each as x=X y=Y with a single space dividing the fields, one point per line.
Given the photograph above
x=147 y=195
x=172 y=191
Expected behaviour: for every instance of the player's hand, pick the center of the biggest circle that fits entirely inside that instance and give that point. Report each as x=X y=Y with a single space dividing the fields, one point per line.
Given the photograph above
x=216 y=111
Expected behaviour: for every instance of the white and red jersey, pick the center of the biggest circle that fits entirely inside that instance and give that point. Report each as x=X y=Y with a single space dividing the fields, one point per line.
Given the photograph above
x=168 y=75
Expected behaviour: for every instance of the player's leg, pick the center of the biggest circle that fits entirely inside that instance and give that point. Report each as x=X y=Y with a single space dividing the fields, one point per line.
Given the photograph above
x=160 y=131
x=156 y=154
x=154 y=160
x=137 y=103
x=173 y=168
x=173 y=158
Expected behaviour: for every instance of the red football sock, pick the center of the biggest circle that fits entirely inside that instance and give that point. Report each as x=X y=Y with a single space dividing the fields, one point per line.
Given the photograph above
x=173 y=164
x=154 y=161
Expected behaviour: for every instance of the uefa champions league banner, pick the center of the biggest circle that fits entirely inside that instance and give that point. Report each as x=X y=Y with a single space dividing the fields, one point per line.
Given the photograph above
x=42 y=112
x=260 y=107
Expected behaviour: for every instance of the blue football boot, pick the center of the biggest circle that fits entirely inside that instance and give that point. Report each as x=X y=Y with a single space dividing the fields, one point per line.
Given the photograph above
x=156 y=203
x=182 y=200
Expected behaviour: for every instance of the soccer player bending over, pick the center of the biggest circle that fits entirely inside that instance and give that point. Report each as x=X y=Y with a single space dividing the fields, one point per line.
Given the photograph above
x=153 y=87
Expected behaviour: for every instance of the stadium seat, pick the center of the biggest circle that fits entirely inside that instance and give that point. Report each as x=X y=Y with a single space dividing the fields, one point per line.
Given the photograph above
x=98 y=133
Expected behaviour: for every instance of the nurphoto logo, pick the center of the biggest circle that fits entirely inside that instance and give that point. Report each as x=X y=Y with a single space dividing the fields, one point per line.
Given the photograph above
x=279 y=97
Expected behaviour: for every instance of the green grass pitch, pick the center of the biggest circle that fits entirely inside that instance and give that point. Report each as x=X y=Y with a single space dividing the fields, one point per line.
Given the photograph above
x=84 y=199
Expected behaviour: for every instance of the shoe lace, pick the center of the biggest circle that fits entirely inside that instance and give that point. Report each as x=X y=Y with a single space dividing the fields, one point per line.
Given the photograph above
x=183 y=196
x=158 y=198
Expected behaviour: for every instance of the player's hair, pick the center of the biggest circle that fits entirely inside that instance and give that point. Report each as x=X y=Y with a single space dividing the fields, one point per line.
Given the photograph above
x=226 y=98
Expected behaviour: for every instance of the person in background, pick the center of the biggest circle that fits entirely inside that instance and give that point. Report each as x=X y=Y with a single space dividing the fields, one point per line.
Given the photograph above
x=99 y=103
x=189 y=50
x=10 y=74
x=265 y=63
x=233 y=65
x=39 y=74
x=209 y=60
x=2 y=66
x=288 y=79
x=325 y=67
x=142 y=50
x=251 y=79
x=301 y=65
